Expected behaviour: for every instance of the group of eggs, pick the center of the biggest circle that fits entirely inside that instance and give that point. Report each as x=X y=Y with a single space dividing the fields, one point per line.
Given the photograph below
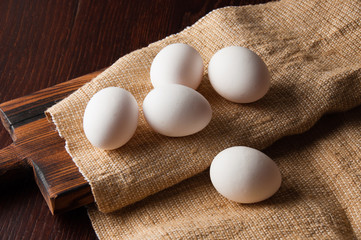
x=175 y=109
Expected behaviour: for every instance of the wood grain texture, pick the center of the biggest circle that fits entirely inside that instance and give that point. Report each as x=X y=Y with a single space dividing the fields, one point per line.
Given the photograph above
x=43 y=43
x=11 y=165
x=31 y=107
x=37 y=144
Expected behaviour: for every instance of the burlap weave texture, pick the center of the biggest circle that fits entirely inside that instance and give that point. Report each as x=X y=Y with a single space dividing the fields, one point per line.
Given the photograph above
x=320 y=196
x=312 y=50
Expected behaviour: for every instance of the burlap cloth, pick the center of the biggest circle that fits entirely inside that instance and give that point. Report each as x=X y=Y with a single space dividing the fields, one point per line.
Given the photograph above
x=312 y=49
x=320 y=196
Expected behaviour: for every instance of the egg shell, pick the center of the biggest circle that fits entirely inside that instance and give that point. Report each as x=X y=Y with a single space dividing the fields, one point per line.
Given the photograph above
x=175 y=110
x=238 y=74
x=177 y=64
x=110 y=118
x=245 y=175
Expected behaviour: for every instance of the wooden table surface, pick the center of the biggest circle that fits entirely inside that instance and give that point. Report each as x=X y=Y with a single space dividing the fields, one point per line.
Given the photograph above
x=43 y=43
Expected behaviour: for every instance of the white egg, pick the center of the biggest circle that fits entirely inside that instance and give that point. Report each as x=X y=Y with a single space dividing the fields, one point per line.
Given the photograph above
x=178 y=64
x=238 y=74
x=175 y=110
x=110 y=118
x=245 y=175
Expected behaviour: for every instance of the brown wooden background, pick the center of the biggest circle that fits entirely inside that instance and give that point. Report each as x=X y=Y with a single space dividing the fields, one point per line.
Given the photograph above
x=43 y=43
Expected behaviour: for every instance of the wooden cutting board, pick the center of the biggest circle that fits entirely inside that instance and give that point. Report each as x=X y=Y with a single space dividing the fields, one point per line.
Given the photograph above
x=37 y=145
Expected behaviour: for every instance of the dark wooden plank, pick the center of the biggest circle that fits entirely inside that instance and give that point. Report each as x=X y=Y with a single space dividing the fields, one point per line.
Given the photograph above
x=56 y=174
x=11 y=165
x=29 y=108
x=36 y=140
x=59 y=180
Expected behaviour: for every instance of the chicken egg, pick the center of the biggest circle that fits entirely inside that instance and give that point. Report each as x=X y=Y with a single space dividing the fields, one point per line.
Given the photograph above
x=176 y=110
x=238 y=74
x=110 y=118
x=178 y=64
x=245 y=175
